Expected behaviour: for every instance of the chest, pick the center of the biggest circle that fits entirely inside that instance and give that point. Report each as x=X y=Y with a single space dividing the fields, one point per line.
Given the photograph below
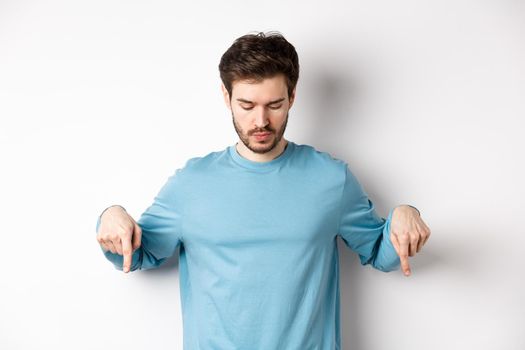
x=260 y=210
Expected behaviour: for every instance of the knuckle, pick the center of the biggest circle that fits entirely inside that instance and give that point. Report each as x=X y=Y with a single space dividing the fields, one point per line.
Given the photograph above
x=125 y=232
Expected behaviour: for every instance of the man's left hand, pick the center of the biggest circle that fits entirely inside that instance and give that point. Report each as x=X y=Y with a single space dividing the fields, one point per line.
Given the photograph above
x=408 y=234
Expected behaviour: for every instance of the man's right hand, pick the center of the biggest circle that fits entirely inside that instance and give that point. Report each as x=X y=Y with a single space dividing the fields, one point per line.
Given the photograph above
x=119 y=234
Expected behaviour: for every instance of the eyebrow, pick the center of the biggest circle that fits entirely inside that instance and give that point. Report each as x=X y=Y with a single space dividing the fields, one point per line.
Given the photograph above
x=269 y=103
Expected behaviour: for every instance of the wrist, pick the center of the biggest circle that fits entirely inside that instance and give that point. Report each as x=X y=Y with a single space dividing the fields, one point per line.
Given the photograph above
x=410 y=206
x=110 y=207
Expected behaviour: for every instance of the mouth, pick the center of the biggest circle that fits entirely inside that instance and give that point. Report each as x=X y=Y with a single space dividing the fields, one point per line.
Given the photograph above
x=259 y=136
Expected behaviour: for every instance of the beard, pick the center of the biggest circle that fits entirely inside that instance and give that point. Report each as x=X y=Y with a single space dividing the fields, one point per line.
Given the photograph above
x=258 y=147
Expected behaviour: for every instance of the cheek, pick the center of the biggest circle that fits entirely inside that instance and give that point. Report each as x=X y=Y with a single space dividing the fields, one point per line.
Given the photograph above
x=242 y=121
x=278 y=117
x=240 y=113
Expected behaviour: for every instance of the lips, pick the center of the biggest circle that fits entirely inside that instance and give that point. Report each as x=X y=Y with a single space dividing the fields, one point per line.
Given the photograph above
x=261 y=136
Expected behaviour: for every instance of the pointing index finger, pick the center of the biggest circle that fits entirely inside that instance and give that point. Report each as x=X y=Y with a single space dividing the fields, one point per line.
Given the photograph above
x=403 y=255
x=127 y=253
x=405 y=266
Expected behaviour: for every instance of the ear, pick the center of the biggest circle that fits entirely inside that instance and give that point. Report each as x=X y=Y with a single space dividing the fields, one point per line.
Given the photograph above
x=226 y=96
x=292 y=97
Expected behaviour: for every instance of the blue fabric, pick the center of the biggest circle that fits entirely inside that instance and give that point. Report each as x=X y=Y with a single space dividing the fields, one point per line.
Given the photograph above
x=258 y=264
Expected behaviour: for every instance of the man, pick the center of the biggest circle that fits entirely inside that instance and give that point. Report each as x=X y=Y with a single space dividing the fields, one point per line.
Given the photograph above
x=257 y=223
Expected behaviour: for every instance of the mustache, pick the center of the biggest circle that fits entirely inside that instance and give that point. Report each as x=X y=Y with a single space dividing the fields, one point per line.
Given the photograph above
x=260 y=130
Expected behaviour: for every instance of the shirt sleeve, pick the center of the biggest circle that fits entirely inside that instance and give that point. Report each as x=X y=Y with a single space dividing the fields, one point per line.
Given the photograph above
x=363 y=230
x=161 y=230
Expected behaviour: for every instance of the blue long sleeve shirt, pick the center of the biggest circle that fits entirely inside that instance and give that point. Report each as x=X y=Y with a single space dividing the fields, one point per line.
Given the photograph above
x=258 y=263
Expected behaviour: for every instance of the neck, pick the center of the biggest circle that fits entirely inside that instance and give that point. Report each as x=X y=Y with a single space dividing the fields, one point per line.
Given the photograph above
x=264 y=157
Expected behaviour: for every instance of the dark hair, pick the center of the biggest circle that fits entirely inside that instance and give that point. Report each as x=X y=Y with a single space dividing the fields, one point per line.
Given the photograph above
x=259 y=56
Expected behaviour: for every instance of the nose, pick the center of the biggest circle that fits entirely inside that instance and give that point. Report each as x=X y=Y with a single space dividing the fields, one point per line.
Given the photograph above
x=261 y=118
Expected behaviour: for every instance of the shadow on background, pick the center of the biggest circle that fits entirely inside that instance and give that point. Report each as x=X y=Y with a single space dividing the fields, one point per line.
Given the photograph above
x=353 y=294
x=335 y=97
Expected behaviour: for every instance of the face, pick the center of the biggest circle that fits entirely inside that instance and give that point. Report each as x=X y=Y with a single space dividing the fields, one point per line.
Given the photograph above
x=260 y=111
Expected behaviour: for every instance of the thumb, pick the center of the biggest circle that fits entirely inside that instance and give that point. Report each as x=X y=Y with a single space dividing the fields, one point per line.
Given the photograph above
x=137 y=236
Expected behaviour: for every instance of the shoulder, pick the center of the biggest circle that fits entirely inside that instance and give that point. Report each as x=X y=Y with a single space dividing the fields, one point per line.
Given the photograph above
x=200 y=164
x=312 y=157
x=191 y=172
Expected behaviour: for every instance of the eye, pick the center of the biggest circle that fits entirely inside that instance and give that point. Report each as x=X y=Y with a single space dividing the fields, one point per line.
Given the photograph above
x=246 y=108
x=276 y=107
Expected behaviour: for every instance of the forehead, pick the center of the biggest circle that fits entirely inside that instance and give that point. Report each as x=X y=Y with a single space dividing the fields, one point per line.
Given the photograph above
x=260 y=91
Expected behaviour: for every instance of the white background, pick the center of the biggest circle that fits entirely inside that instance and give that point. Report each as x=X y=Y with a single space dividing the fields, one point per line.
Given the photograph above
x=100 y=101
